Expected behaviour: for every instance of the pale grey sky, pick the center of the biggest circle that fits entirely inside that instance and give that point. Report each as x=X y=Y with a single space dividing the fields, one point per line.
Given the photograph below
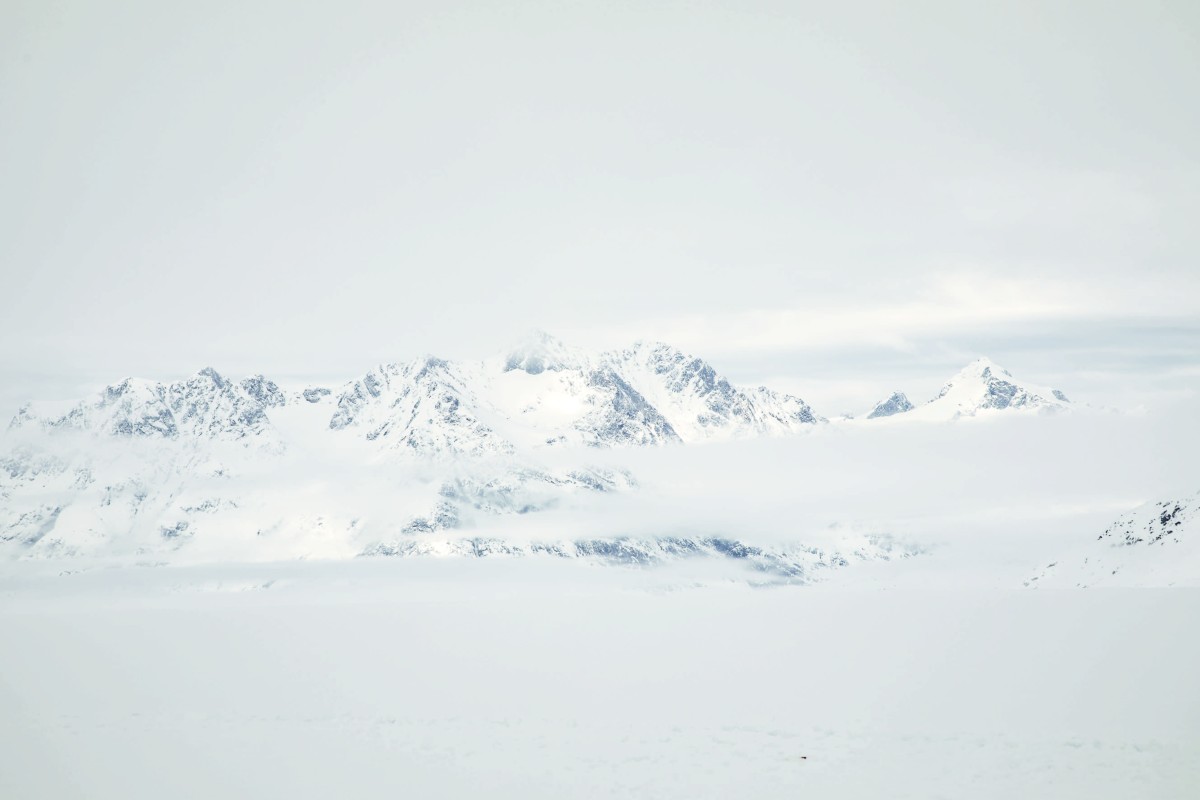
x=841 y=197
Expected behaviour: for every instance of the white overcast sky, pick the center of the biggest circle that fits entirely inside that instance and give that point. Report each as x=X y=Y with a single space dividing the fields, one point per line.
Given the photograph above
x=838 y=198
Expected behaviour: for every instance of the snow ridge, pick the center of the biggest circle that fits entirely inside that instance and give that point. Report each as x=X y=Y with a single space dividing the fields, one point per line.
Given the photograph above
x=1156 y=544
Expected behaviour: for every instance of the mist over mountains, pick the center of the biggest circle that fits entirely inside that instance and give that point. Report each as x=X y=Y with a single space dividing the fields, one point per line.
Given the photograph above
x=430 y=457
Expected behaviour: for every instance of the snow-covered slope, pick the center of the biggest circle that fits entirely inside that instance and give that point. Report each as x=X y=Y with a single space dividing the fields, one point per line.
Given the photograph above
x=586 y=404
x=1157 y=544
x=699 y=403
x=426 y=407
x=72 y=496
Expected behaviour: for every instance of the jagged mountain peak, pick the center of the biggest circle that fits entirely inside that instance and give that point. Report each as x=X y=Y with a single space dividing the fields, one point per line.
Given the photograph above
x=211 y=374
x=698 y=401
x=203 y=405
x=264 y=390
x=426 y=406
x=621 y=414
x=427 y=363
x=983 y=368
x=659 y=353
x=895 y=403
x=983 y=386
x=666 y=359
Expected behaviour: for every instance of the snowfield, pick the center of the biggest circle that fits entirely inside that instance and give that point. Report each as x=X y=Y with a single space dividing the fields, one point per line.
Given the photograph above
x=514 y=679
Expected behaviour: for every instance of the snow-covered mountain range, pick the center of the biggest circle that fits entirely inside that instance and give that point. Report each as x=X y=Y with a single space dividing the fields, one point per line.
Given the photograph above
x=540 y=394
x=980 y=389
x=210 y=466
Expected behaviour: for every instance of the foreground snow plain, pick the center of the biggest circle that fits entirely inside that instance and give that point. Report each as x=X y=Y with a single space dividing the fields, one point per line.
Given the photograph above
x=511 y=678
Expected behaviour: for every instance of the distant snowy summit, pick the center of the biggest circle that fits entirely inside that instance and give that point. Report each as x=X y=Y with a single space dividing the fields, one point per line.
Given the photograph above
x=980 y=389
x=898 y=403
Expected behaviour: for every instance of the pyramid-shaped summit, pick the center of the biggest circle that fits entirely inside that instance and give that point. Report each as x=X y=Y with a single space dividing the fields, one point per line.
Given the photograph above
x=897 y=403
x=983 y=387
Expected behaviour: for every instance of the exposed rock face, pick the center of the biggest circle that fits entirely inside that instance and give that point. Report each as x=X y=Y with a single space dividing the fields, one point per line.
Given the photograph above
x=426 y=407
x=897 y=403
x=701 y=404
x=205 y=406
x=1156 y=544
